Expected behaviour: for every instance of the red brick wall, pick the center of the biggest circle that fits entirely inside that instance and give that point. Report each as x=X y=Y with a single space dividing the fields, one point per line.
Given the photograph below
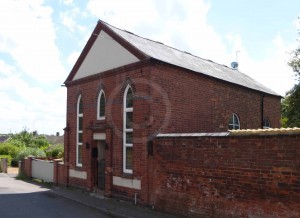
x=167 y=99
x=59 y=177
x=113 y=84
x=202 y=104
x=227 y=176
x=26 y=166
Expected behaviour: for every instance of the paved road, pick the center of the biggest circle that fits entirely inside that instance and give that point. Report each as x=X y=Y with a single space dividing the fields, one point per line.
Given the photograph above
x=22 y=199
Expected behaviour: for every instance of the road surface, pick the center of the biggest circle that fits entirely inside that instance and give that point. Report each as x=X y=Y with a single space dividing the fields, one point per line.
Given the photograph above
x=24 y=200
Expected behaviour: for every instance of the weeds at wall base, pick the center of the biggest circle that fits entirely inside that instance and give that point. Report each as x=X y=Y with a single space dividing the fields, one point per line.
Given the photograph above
x=40 y=182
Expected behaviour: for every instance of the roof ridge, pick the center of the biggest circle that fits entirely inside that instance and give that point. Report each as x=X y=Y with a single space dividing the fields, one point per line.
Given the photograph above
x=208 y=60
x=184 y=59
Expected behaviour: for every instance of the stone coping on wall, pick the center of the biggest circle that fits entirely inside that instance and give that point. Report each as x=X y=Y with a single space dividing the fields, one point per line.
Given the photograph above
x=192 y=134
x=269 y=131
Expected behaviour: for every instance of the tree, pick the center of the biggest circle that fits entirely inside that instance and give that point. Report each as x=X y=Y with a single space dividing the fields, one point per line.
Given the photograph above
x=294 y=63
x=291 y=108
x=291 y=101
x=28 y=139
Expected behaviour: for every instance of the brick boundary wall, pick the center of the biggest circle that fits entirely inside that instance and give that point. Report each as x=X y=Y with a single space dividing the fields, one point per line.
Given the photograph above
x=231 y=176
x=26 y=166
x=59 y=177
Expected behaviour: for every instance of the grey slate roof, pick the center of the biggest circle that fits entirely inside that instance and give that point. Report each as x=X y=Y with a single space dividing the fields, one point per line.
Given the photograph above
x=179 y=58
x=3 y=138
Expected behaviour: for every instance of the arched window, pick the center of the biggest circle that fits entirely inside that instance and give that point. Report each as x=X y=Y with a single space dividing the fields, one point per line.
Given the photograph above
x=267 y=123
x=101 y=106
x=128 y=130
x=79 y=132
x=234 y=122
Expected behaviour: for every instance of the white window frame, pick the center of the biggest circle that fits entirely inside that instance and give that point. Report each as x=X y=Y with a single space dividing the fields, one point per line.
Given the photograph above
x=77 y=134
x=125 y=130
x=235 y=116
x=98 y=105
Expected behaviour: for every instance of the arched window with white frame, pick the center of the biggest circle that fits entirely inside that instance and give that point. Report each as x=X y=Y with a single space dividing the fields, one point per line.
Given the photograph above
x=234 y=122
x=101 y=105
x=79 y=132
x=128 y=130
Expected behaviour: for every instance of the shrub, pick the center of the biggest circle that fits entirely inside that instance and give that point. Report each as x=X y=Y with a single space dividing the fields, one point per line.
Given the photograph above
x=26 y=152
x=27 y=139
x=9 y=158
x=55 y=151
x=24 y=136
x=8 y=149
x=40 y=142
x=16 y=142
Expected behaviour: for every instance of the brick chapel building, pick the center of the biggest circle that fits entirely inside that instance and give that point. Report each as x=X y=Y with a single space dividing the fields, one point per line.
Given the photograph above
x=125 y=89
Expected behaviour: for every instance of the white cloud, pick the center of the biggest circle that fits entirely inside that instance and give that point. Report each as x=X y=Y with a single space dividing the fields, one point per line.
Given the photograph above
x=28 y=37
x=69 y=19
x=179 y=24
x=24 y=104
x=30 y=67
x=124 y=14
x=184 y=25
x=68 y=2
x=72 y=58
x=273 y=70
x=6 y=69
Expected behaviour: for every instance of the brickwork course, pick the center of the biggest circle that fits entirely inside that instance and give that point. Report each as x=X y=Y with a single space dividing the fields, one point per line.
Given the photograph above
x=239 y=175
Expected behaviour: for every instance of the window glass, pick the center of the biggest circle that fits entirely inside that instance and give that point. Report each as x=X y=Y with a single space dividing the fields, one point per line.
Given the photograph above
x=79 y=132
x=102 y=105
x=231 y=121
x=79 y=154
x=80 y=106
x=128 y=130
x=234 y=122
x=129 y=98
x=80 y=121
x=129 y=122
x=79 y=137
x=128 y=137
x=129 y=158
x=266 y=123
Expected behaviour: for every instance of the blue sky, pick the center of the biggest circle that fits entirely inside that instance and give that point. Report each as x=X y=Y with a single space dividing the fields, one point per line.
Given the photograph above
x=41 y=40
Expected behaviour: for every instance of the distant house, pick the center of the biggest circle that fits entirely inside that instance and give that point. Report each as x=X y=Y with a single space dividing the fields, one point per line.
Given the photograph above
x=55 y=139
x=3 y=138
x=125 y=89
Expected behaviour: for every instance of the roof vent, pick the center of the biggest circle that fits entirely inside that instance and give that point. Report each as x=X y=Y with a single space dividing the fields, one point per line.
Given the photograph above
x=234 y=65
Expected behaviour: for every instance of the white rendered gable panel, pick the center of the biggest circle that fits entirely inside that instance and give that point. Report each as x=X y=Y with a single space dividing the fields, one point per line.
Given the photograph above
x=105 y=54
